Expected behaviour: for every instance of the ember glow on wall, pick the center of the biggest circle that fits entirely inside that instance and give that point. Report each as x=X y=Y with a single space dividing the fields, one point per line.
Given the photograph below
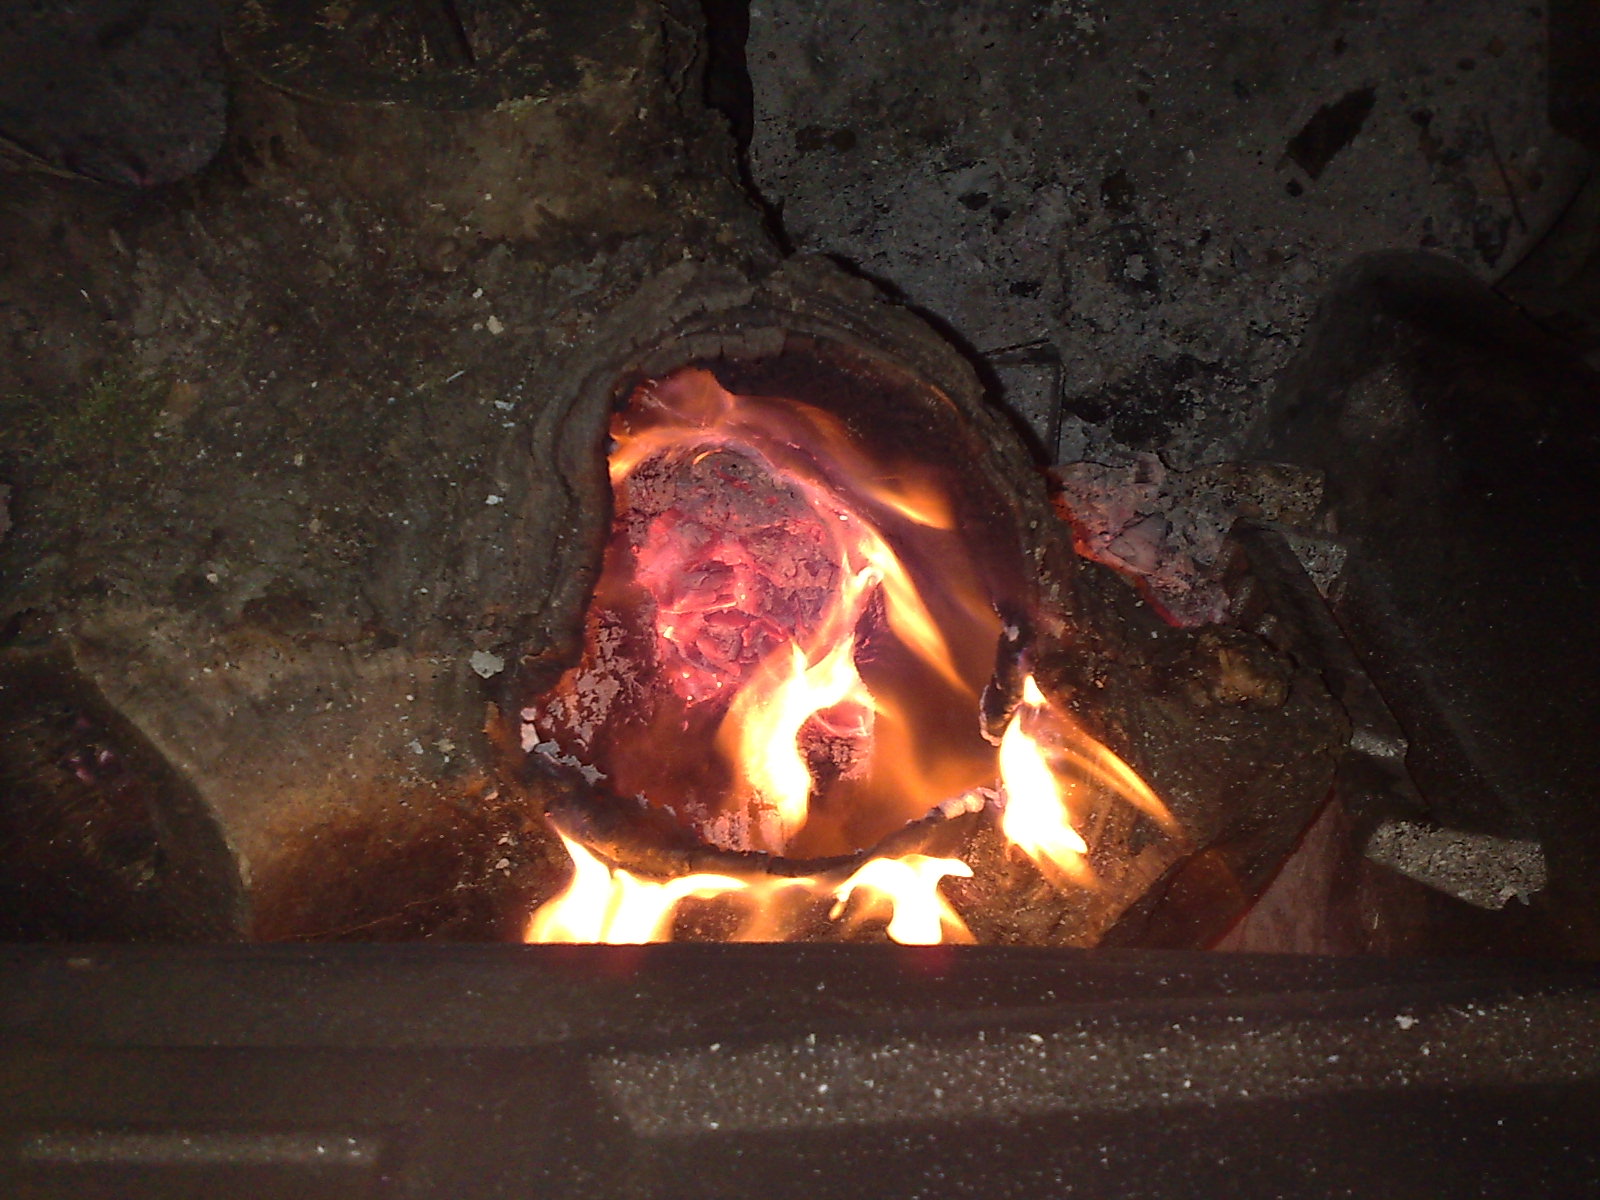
x=788 y=651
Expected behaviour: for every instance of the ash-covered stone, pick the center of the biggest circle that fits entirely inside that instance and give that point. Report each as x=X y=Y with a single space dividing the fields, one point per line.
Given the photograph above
x=1479 y=868
x=485 y=664
x=1323 y=558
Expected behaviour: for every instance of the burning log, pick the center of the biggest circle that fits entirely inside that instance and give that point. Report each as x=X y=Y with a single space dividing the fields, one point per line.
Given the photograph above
x=1060 y=838
x=323 y=577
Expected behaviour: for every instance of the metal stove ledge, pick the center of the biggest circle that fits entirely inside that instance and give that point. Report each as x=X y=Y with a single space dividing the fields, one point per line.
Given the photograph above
x=779 y=1071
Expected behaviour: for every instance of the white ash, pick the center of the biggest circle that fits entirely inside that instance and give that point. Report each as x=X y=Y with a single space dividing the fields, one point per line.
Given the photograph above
x=732 y=829
x=1479 y=868
x=487 y=665
x=551 y=752
x=1322 y=558
x=972 y=801
x=582 y=705
x=1168 y=527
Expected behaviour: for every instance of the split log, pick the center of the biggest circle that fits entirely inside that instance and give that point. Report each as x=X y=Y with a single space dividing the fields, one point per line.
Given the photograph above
x=279 y=494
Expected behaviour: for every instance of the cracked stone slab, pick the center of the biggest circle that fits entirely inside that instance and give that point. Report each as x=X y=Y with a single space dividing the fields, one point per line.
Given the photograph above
x=1156 y=192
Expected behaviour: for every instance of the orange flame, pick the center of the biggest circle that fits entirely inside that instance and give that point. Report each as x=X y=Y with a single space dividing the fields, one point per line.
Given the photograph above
x=909 y=889
x=611 y=905
x=761 y=733
x=602 y=904
x=1037 y=819
x=1041 y=781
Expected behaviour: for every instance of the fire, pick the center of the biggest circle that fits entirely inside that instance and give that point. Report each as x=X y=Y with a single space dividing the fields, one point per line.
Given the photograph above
x=1042 y=776
x=611 y=905
x=605 y=905
x=763 y=541
x=1037 y=816
x=761 y=732
x=909 y=889
x=817 y=623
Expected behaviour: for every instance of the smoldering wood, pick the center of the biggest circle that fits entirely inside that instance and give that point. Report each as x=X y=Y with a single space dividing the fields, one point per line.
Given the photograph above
x=647 y=842
x=1003 y=692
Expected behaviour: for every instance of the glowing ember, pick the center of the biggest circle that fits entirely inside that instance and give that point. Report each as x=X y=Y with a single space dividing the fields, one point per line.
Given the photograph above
x=786 y=652
x=773 y=647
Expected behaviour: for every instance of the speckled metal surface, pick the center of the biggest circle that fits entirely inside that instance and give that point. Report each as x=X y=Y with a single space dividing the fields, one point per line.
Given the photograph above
x=790 y=1071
